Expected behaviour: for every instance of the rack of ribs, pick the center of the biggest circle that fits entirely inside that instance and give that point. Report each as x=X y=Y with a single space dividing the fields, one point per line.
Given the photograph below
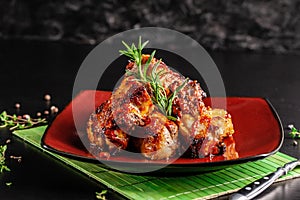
x=131 y=119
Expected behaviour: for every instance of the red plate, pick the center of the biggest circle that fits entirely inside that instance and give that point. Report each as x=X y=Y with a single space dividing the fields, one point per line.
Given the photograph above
x=258 y=133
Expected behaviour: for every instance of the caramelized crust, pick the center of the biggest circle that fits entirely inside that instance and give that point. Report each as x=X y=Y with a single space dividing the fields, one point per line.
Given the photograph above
x=131 y=104
x=103 y=131
x=161 y=138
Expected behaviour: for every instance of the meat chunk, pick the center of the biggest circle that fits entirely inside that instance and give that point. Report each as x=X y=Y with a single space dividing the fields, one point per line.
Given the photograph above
x=161 y=138
x=207 y=135
x=103 y=132
x=130 y=113
x=131 y=105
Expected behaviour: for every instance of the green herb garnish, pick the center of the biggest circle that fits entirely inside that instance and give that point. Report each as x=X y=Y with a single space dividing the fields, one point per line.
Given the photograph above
x=294 y=133
x=17 y=122
x=3 y=166
x=8 y=184
x=135 y=54
x=101 y=195
x=160 y=97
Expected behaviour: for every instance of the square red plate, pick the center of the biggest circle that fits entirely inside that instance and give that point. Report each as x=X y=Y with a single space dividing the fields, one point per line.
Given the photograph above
x=258 y=133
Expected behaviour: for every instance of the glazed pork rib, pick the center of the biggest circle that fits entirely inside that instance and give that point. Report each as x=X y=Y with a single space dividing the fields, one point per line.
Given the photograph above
x=135 y=113
x=130 y=110
x=131 y=118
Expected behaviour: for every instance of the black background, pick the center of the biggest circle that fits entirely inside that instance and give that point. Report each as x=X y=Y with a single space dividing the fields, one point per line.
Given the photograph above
x=255 y=45
x=254 y=25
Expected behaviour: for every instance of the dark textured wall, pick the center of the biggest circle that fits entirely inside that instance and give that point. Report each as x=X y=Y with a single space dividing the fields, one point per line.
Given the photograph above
x=257 y=25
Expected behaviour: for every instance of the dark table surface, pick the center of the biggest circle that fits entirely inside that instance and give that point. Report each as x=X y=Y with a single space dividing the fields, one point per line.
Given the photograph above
x=31 y=69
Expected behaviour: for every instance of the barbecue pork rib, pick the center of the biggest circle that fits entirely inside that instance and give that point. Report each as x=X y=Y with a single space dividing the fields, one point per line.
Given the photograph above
x=130 y=119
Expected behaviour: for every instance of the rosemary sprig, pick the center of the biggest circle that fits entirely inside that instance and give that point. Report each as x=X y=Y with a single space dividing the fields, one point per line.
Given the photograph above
x=163 y=100
x=17 y=122
x=135 y=54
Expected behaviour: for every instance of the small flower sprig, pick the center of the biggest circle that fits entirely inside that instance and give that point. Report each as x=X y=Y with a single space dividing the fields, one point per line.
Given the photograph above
x=3 y=166
x=15 y=122
x=101 y=195
x=294 y=133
